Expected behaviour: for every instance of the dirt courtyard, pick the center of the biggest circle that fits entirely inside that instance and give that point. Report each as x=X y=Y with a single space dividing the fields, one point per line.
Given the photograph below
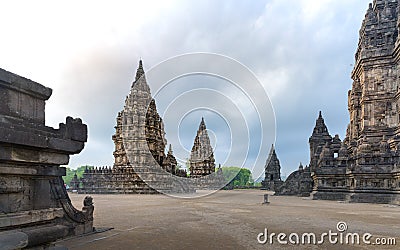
x=229 y=220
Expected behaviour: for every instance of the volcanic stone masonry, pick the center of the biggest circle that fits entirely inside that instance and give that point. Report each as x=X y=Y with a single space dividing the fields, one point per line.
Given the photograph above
x=34 y=205
x=364 y=166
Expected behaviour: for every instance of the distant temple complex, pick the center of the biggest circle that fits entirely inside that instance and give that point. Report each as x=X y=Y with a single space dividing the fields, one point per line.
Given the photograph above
x=140 y=127
x=364 y=167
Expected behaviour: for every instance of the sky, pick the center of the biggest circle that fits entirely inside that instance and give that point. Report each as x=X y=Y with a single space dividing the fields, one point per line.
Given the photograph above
x=301 y=51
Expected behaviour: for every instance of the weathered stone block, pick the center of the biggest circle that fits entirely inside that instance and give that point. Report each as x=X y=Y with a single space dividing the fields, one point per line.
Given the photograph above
x=23 y=98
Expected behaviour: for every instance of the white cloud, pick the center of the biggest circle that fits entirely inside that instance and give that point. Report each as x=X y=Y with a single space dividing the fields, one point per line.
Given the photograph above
x=87 y=51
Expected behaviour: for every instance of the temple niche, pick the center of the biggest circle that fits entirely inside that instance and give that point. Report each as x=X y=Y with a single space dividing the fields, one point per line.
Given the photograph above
x=364 y=166
x=35 y=209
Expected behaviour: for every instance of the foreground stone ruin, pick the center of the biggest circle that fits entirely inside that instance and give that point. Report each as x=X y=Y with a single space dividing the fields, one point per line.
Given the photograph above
x=35 y=209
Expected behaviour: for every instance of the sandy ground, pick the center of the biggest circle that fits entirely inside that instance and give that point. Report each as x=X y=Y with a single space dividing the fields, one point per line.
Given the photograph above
x=228 y=220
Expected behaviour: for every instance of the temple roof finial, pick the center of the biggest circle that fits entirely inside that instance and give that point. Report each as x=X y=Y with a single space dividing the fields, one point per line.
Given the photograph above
x=202 y=124
x=139 y=71
x=320 y=127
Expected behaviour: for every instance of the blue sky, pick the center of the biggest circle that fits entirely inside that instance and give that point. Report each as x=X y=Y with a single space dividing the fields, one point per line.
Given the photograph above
x=301 y=51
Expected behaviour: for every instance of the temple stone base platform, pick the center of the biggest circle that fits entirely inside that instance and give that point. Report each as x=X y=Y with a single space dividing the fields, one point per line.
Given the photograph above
x=35 y=209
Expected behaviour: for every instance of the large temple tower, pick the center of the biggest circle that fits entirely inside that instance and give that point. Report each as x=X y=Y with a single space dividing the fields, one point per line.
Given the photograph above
x=143 y=124
x=373 y=99
x=365 y=169
x=139 y=148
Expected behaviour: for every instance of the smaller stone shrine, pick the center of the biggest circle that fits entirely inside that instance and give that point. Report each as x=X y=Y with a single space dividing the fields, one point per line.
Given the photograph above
x=35 y=209
x=300 y=182
x=202 y=162
x=272 y=179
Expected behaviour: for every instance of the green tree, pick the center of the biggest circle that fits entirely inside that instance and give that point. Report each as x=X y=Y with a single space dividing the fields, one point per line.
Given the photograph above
x=238 y=176
x=70 y=173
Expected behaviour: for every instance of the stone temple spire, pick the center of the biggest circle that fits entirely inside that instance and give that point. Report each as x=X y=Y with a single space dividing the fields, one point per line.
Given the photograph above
x=170 y=150
x=170 y=163
x=378 y=32
x=272 y=170
x=140 y=139
x=318 y=139
x=272 y=180
x=202 y=124
x=320 y=127
x=272 y=155
x=139 y=71
x=140 y=82
x=201 y=160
